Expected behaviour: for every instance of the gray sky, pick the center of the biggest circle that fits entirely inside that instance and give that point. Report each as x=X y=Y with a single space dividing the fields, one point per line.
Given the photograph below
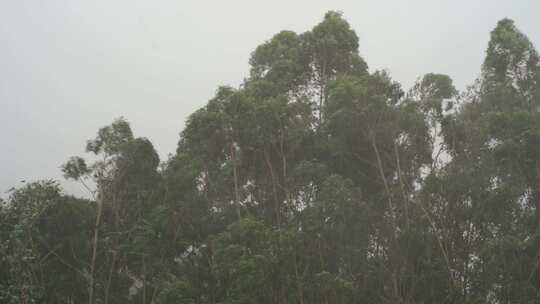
x=70 y=67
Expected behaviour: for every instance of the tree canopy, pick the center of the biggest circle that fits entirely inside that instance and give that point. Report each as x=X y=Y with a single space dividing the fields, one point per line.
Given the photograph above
x=315 y=181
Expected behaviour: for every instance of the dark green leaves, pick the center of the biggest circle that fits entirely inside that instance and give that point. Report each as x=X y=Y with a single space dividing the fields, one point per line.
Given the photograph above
x=75 y=168
x=315 y=181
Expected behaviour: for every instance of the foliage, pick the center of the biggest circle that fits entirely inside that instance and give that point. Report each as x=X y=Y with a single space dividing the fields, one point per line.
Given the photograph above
x=315 y=181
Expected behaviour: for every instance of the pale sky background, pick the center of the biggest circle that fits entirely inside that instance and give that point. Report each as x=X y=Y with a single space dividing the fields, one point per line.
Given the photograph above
x=70 y=67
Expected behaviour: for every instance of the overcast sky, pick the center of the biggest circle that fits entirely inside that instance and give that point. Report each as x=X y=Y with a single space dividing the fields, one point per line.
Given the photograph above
x=70 y=67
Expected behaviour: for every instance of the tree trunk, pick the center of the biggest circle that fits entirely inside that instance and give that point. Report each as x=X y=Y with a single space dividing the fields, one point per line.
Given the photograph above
x=109 y=281
x=91 y=282
x=535 y=197
x=235 y=176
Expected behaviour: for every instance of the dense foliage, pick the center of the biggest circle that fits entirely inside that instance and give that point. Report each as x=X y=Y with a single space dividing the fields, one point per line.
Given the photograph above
x=316 y=181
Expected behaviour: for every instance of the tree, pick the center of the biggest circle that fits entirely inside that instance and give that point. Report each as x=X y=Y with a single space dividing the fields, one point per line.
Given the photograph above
x=44 y=232
x=315 y=181
x=127 y=181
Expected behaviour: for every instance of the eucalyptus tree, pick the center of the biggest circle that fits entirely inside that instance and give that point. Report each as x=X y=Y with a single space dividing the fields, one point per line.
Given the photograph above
x=126 y=178
x=315 y=181
x=486 y=191
x=44 y=245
